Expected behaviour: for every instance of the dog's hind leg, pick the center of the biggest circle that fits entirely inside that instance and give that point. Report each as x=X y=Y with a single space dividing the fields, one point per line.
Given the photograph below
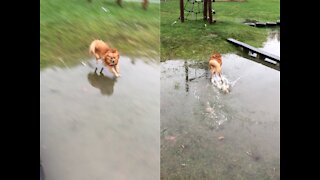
x=220 y=77
x=212 y=72
x=97 y=64
x=101 y=70
x=101 y=73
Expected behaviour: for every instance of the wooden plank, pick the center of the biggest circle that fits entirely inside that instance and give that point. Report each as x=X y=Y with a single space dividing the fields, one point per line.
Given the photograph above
x=251 y=24
x=260 y=24
x=271 y=23
x=255 y=50
x=273 y=65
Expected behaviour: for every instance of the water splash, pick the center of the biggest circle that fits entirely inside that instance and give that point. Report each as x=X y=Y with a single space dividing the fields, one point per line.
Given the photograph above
x=223 y=83
x=213 y=116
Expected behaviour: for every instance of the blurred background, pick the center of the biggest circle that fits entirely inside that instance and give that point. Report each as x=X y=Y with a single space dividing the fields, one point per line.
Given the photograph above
x=68 y=27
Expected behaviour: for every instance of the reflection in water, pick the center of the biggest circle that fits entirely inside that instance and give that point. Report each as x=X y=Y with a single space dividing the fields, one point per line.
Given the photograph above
x=133 y=60
x=102 y=82
x=186 y=69
x=272 y=45
x=85 y=135
x=275 y=34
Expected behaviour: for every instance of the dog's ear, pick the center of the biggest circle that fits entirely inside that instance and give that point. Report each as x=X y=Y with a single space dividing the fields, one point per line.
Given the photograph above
x=116 y=53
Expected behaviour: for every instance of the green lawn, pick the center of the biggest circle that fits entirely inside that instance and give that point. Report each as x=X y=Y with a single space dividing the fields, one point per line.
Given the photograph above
x=192 y=40
x=67 y=28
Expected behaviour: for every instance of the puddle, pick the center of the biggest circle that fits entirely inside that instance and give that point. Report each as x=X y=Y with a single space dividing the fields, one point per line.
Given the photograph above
x=97 y=127
x=207 y=134
x=272 y=45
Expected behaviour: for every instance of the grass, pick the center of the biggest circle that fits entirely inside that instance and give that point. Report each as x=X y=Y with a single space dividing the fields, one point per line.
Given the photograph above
x=67 y=28
x=192 y=40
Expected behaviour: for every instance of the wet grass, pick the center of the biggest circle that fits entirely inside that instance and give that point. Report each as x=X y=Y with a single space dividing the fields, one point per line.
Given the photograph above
x=193 y=40
x=68 y=27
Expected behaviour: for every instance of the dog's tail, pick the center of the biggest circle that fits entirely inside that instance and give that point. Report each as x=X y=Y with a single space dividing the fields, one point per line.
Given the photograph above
x=216 y=66
x=92 y=48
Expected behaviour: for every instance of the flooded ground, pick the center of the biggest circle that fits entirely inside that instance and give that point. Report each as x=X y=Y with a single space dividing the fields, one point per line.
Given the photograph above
x=272 y=45
x=206 y=134
x=95 y=127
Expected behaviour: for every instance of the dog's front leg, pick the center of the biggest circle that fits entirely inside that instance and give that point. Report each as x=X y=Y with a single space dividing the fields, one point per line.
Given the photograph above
x=118 y=69
x=113 y=70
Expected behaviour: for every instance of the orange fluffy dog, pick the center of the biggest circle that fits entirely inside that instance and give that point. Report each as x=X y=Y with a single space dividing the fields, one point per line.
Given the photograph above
x=109 y=56
x=215 y=63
